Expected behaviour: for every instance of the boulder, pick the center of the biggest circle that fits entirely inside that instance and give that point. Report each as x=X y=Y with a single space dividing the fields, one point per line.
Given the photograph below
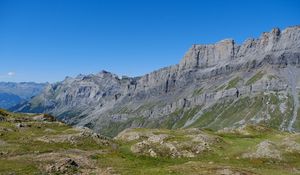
x=63 y=166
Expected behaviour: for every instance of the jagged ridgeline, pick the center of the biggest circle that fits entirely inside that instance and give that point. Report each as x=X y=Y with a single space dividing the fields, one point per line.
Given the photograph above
x=215 y=86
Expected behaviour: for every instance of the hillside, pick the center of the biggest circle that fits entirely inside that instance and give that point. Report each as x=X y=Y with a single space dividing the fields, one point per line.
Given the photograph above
x=215 y=86
x=39 y=144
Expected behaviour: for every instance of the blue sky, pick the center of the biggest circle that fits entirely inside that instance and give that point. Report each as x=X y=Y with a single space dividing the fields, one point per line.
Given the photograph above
x=46 y=40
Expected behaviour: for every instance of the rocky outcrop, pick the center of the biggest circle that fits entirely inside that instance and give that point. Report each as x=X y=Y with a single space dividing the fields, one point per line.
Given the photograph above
x=163 y=143
x=52 y=147
x=44 y=117
x=291 y=145
x=265 y=150
x=227 y=51
x=202 y=56
x=275 y=150
x=63 y=166
x=74 y=138
x=207 y=76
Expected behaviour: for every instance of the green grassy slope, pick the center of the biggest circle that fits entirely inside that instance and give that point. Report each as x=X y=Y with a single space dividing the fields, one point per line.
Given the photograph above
x=36 y=146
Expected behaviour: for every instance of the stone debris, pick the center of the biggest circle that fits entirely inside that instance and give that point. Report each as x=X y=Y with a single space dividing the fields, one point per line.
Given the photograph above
x=76 y=137
x=153 y=143
x=130 y=135
x=2 y=118
x=3 y=143
x=290 y=145
x=63 y=166
x=22 y=125
x=72 y=161
x=158 y=138
x=265 y=150
x=44 y=117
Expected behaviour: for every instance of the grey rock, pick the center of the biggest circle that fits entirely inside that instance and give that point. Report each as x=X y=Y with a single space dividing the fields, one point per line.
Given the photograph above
x=109 y=104
x=265 y=149
x=63 y=166
x=22 y=125
x=161 y=143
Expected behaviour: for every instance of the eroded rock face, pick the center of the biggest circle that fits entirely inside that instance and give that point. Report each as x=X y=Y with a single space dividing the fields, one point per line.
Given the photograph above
x=207 y=75
x=208 y=55
x=227 y=51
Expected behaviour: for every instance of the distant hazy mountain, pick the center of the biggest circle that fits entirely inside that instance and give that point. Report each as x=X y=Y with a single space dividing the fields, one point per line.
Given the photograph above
x=216 y=86
x=12 y=94
x=8 y=100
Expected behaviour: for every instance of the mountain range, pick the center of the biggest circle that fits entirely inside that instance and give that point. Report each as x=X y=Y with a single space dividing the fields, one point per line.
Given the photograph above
x=12 y=94
x=216 y=86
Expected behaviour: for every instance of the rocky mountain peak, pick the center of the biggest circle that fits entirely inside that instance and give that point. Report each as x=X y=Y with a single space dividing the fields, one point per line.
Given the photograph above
x=208 y=55
x=225 y=51
x=69 y=79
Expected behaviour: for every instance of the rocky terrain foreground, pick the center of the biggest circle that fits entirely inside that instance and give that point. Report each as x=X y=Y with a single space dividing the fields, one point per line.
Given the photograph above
x=215 y=86
x=39 y=144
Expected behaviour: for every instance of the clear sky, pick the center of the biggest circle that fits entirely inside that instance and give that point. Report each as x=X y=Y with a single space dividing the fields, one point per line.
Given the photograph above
x=46 y=40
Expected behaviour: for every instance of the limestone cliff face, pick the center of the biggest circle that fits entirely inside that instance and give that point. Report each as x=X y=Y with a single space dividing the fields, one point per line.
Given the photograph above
x=226 y=51
x=201 y=56
x=209 y=80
